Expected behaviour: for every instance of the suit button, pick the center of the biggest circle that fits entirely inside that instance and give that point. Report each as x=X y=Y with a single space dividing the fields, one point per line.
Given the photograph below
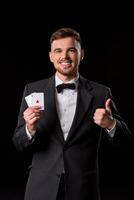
x=58 y=175
x=64 y=147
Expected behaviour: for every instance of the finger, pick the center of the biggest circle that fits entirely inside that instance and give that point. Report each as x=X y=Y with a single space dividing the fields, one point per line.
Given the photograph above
x=107 y=105
x=32 y=121
x=99 y=110
x=30 y=116
x=37 y=107
x=31 y=110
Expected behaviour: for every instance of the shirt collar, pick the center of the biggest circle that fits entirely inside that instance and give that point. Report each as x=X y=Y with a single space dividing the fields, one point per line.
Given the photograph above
x=58 y=81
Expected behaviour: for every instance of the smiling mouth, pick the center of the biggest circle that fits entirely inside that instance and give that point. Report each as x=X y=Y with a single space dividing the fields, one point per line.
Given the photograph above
x=65 y=64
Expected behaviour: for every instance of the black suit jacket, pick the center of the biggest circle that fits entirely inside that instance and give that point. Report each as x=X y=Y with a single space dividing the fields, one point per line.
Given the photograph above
x=77 y=156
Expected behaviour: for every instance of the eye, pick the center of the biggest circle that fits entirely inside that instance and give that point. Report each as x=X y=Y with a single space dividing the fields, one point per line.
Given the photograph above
x=72 y=50
x=57 y=51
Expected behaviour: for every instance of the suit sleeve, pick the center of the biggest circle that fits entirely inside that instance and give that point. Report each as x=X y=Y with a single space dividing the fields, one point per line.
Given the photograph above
x=20 y=137
x=123 y=135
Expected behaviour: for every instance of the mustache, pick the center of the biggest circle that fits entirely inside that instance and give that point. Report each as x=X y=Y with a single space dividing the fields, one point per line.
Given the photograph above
x=65 y=60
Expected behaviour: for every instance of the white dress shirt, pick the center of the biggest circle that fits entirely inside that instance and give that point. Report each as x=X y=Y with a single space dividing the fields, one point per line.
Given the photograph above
x=66 y=105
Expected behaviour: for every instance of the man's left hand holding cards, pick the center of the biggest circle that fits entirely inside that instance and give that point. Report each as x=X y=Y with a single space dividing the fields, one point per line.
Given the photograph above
x=36 y=98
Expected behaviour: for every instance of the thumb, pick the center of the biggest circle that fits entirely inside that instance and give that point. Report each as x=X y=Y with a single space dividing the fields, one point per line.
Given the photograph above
x=107 y=105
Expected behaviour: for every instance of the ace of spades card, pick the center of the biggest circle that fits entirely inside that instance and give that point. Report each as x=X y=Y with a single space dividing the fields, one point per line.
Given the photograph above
x=36 y=98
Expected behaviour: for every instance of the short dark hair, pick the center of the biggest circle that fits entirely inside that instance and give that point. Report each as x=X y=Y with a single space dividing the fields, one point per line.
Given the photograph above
x=65 y=32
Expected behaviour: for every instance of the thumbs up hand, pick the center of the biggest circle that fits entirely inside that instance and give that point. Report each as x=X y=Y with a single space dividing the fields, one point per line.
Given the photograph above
x=103 y=116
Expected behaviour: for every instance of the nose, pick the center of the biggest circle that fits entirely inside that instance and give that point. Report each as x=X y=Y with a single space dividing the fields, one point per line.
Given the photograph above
x=64 y=54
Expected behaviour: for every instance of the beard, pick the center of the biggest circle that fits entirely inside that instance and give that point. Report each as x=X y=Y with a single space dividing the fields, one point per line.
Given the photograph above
x=70 y=72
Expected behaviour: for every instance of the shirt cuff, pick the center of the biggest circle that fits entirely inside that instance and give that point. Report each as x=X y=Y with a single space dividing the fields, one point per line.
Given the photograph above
x=28 y=134
x=111 y=132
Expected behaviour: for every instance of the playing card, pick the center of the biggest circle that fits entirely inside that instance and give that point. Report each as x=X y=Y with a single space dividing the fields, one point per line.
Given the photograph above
x=37 y=98
x=28 y=100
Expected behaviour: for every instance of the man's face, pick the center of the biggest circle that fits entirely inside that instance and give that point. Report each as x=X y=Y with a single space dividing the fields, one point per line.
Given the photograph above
x=66 y=55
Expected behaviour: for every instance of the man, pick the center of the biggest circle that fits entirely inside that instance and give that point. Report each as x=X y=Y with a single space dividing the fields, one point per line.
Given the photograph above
x=65 y=136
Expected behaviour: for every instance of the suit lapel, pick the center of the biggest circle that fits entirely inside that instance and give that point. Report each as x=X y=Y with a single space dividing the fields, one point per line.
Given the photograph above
x=84 y=100
x=50 y=112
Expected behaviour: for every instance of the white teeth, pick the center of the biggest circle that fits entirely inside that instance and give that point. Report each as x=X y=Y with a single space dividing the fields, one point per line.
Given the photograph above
x=65 y=63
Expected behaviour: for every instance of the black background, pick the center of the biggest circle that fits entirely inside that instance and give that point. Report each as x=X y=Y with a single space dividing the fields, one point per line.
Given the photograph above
x=108 y=39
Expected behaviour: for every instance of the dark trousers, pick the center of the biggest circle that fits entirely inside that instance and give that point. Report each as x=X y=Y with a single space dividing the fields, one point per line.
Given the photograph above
x=61 y=190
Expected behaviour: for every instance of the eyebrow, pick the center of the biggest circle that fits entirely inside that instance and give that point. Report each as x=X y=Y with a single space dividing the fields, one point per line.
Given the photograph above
x=61 y=49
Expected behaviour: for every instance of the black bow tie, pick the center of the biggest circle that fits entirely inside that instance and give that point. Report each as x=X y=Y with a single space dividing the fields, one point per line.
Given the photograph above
x=64 y=86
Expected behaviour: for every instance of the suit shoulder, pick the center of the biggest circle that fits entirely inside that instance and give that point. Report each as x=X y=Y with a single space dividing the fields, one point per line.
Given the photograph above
x=38 y=85
x=39 y=82
x=99 y=85
x=95 y=85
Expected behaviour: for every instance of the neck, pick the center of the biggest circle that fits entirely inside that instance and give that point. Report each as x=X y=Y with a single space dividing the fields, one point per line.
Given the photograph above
x=66 y=78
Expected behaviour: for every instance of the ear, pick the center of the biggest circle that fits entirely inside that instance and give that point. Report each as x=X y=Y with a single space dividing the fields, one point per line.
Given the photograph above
x=82 y=54
x=50 y=56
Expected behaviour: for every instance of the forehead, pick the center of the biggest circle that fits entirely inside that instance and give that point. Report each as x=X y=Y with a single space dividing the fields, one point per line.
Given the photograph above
x=65 y=43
